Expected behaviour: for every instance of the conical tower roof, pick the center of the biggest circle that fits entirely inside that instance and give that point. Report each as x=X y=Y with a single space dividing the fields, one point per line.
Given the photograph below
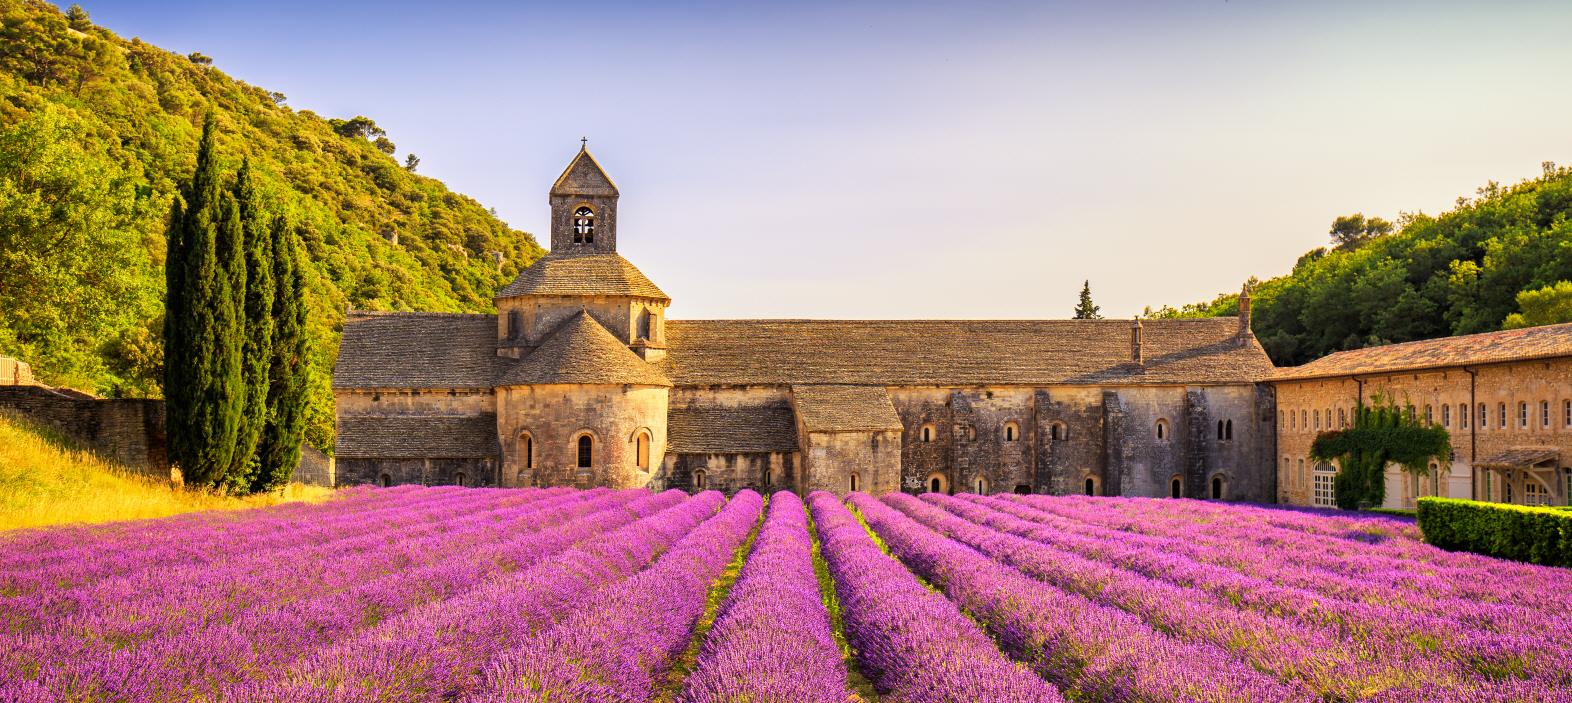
x=584 y=176
x=581 y=351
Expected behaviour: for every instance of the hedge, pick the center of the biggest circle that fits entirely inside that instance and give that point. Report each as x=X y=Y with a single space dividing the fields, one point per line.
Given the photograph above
x=1520 y=533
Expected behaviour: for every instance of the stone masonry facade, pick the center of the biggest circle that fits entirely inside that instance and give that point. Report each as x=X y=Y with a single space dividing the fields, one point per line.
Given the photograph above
x=581 y=380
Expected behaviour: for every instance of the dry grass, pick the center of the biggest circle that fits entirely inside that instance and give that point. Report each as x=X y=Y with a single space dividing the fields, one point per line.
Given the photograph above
x=44 y=480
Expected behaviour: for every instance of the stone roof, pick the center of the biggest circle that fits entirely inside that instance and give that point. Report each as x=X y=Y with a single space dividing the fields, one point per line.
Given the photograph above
x=417 y=436
x=416 y=350
x=845 y=408
x=958 y=352
x=1488 y=348
x=1519 y=458
x=718 y=430
x=584 y=176
x=582 y=351
x=583 y=274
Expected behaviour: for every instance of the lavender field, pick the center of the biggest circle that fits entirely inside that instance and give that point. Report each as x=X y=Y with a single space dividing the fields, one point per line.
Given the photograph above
x=453 y=594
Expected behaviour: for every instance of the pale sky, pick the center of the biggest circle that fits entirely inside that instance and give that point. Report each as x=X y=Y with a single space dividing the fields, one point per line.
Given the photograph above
x=918 y=159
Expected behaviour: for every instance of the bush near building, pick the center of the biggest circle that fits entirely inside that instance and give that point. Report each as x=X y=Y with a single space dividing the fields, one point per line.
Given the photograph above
x=1532 y=534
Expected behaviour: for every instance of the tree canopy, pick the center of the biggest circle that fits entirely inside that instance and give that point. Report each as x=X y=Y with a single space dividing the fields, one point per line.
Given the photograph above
x=96 y=132
x=1461 y=272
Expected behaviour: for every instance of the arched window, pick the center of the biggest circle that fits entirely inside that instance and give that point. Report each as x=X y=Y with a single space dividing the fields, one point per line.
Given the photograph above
x=927 y=433
x=1522 y=415
x=1484 y=417
x=1429 y=415
x=1176 y=487
x=698 y=480
x=1058 y=431
x=982 y=486
x=586 y=451
x=459 y=478
x=1012 y=431
x=584 y=225
x=1293 y=420
x=937 y=483
x=1304 y=419
x=1162 y=429
x=854 y=484
x=1446 y=415
x=1544 y=414
x=1219 y=488
x=386 y=480
x=1288 y=472
x=642 y=446
x=1342 y=418
x=644 y=323
x=1502 y=423
x=1022 y=489
x=1228 y=426
x=1220 y=426
x=527 y=450
x=1091 y=485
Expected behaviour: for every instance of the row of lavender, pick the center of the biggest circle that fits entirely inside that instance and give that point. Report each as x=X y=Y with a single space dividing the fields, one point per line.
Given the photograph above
x=1161 y=600
x=562 y=595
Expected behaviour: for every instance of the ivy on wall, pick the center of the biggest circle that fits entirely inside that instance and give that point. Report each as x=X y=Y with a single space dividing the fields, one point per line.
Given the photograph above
x=1383 y=433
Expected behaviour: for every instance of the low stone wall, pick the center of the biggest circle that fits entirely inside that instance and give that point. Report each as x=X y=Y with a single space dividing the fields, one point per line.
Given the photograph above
x=316 y=468
x=127 y=431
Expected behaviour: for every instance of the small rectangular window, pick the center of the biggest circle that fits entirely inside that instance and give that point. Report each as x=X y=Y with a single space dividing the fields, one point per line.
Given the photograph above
x=1544 y=413
x=1446 y=416
x=1462 y=416
x=1522 y=414
x=1566 y=415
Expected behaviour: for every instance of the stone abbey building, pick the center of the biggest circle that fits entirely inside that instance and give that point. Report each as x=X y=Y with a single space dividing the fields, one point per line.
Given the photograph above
x=581 y=380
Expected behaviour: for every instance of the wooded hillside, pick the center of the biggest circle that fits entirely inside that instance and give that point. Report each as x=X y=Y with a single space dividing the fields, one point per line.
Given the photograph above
x=1500 y=259
x=95 y=132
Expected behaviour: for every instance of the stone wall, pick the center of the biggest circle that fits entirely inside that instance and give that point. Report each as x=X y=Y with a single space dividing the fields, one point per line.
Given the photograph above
x=831 y=459
x=315 y=469
x=541 y=315
x=765 y=472
x=555 y=416
x=127 y=431
x=428 y=472
x=14 y=372
x=1452 y=398
x=1003 y=439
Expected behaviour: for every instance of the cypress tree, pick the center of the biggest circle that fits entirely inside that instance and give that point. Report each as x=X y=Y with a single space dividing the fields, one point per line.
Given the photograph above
x=279 y=451
x=200 y=359
x=257 y=329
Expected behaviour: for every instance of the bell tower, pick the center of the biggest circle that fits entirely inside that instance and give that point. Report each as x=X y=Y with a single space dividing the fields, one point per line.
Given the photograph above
x=583 y=208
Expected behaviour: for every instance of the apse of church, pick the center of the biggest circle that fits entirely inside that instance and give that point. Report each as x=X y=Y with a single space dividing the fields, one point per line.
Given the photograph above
x=581 y=380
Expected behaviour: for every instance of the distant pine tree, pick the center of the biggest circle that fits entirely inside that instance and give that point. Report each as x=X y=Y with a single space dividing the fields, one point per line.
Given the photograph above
x=257 y=328
x=1085 y=309
x=288 y=370
x=202 y=351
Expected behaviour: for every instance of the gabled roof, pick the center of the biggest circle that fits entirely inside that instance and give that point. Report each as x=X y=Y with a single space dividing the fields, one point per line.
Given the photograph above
x=582 y=351
x=1525 y=344
x=417 y=436
x=584 y=176
x=959 y=352
x=583 y=274
x=845 y=408
x=416 y=350
x=720 y=430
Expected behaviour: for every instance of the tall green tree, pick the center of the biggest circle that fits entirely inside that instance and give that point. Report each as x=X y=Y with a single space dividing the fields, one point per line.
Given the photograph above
x=1085 y=309
x=288 y=369
x=257 y=326
x=202 y=342
x=1550 y=305
x=1383 y=433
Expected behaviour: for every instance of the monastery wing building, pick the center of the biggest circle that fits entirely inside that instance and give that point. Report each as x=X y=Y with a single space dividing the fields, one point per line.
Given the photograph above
x=580 y=380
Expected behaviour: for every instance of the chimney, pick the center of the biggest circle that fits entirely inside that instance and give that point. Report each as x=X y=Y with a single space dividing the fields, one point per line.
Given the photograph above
x=1244 y=313
x=1135 y=343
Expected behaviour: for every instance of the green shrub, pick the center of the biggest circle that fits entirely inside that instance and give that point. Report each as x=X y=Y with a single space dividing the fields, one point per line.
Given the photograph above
x=1534 y=535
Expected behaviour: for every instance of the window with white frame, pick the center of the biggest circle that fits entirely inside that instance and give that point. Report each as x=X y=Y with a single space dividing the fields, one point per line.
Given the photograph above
x=1522 y=415
x=1544 y=414
x=1325 y=493
x=1446 y=416
x=1535 y=494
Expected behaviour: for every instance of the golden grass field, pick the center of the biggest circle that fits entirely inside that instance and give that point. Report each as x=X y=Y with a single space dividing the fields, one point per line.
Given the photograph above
x=44 y=480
